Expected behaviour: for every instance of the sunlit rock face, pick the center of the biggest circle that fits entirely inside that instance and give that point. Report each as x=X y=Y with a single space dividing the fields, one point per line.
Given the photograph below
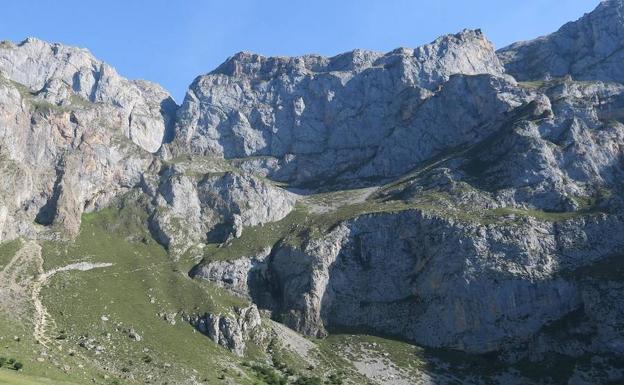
x=73 y=135
x=362 y=114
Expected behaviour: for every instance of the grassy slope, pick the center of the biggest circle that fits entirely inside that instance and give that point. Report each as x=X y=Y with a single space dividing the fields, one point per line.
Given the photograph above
x=8 y=250
x=10 y=377
x=142 y=283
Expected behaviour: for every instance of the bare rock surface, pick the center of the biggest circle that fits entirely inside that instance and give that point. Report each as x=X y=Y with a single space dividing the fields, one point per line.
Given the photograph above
x=231 y=332
x=213 y=208
x=58 y=72
x=357 y=115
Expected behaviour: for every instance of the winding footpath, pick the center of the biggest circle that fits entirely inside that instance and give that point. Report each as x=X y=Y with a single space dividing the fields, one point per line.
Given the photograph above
x=41 y=317
x=16 y=280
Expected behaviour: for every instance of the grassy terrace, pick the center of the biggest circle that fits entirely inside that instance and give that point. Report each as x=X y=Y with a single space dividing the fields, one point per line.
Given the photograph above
x=8 y=250
x=200 y=167
x=306 y=222
x=300 y=224
x=75 y=101
x=533 y=84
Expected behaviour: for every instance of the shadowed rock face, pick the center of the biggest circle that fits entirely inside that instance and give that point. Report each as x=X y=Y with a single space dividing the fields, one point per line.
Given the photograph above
x=422 y=278
x=591 y=48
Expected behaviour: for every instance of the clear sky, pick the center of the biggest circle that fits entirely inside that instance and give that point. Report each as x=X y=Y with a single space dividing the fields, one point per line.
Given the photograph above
x=172 y=42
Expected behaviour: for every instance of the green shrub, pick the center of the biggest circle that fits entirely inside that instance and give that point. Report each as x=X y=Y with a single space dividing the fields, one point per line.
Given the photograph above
x=309 y=381
x=17 y=365
x=335 y=379
x=269 y=375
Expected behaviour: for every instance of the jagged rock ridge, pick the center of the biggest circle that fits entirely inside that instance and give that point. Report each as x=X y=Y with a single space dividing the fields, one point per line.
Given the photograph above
x=354 y=116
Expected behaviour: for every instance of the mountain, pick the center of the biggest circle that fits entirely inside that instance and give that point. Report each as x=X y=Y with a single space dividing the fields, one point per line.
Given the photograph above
x=358 y=115
x=588 y=49
x=444 y=214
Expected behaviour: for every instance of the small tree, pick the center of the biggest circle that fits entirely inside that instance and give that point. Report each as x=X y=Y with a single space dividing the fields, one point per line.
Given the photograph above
x=17 y=365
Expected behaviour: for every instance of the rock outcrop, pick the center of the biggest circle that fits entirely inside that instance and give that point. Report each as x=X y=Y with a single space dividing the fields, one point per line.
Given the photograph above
x=231 y=331
x=502 y=225
x=193 y=208
x=73 y=135
x=60 y=73
x=242 y=276
x=448 y=284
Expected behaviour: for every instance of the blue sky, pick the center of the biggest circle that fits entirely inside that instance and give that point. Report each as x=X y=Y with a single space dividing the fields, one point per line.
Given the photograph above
x=171 y=42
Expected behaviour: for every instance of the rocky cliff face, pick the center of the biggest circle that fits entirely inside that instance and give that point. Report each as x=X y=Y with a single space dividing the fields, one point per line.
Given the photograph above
x=58 y=73
x=448 y=195
x=204 y=207
x=506 y=216
x=354 y=116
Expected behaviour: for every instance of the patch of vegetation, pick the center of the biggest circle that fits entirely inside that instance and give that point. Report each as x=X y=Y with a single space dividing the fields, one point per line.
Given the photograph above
x=8 y=250
x=287 y=369
x=533 y=85
x=40 y=105
x=340 y=351
x=305 y=222
x=301 y=224
x=17 y=341
x=200 y=167
x=15 y=378
x=10 y=363
x=305 y=380
x=546 y=216
x=269 y=375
